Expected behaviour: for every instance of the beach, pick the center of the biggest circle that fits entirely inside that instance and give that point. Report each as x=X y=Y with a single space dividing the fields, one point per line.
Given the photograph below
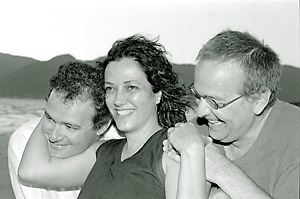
x=13 y=114
x=6 y=191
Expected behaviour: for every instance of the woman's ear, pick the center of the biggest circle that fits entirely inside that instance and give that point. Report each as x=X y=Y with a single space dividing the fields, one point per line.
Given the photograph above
x=158 y=97
x=261 y=101
x=104 y=128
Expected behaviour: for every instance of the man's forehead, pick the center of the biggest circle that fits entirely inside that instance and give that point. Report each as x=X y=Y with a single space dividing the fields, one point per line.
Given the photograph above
x=219 y=69
x=71 y=101
x=214 y=78
x=73 y=108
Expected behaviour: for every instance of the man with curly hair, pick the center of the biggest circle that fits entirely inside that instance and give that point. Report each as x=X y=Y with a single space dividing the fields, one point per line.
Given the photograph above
x=75 y=118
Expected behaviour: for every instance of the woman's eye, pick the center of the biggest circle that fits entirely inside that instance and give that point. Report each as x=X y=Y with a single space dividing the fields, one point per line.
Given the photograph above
x=132 y=88
x=108 y=89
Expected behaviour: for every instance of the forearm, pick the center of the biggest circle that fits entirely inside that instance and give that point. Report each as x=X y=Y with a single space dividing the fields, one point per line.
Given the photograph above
x=39 y=169
x=34 y=159
x=192 y=182
x=233 y=181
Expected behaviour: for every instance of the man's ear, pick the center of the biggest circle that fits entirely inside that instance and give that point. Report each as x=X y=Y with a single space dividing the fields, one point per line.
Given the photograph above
x=104 y=128
x=261 y=101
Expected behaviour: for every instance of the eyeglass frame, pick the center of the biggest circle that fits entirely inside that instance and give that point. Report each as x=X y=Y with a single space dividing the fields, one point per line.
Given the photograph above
x=211 y=102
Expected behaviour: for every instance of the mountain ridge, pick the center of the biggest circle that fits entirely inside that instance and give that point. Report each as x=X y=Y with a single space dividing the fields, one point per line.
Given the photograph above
x=23 y=77
x=10 y=63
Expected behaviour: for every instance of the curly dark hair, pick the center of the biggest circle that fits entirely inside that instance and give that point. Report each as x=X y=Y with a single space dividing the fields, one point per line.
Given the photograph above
x=261 y=65
x=78 y=80
x=151 y=57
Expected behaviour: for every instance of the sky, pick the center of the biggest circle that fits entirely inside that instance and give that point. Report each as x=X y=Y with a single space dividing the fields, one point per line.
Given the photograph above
x=43 y=29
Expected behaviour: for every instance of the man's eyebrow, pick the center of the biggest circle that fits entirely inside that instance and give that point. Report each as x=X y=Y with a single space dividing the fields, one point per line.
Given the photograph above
x=45 y=112
x=73 y=125
x=208 y=96
x=216 y=98
x=213 y=97
x=64 y=123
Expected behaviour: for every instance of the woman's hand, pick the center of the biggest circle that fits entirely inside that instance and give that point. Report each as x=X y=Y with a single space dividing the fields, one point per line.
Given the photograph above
x=184 y=137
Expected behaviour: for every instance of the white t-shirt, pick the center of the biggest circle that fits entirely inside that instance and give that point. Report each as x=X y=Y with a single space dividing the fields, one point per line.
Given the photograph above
x=16 y=146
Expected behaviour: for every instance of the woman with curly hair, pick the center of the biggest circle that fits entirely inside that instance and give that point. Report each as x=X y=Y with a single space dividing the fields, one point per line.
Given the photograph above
x=144 y=99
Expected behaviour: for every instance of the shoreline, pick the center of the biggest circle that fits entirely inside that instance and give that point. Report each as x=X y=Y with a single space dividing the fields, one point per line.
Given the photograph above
x=5 y=185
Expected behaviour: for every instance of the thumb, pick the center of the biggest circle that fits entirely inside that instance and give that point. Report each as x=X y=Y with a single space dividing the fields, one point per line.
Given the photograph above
x=208 y=140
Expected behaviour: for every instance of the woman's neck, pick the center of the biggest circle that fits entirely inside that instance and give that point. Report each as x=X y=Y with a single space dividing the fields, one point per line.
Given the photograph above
x=137 y=139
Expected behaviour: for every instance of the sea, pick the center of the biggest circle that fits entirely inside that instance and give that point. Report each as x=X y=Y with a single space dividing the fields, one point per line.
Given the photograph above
x=14 y=112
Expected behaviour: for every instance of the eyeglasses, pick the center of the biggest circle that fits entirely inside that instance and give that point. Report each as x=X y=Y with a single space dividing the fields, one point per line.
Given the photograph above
x=211 y=102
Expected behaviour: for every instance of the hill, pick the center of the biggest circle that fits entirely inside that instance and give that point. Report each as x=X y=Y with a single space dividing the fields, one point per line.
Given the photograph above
x=11 y=63
x=30 y=80
x=185 y=73
x=290 y=85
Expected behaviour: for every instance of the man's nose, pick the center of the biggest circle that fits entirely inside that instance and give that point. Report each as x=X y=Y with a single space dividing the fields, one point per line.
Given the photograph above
x=55 y=134
x=203 y=108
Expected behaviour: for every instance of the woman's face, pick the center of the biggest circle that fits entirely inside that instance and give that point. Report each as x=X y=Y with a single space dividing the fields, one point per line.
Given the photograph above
x=129 y=96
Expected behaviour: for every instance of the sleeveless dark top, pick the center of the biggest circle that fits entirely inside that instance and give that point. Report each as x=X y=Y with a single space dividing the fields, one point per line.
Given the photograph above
x=140 y=176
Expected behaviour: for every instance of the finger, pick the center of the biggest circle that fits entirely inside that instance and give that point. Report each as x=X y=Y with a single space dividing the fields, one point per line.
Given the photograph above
x=167 y=146
x=177 y=124
x=174 y=156
x=208 y=140
x=170 y=130
x=175 y=151
x=165 y=142
x=170 y=147
x=165 y=149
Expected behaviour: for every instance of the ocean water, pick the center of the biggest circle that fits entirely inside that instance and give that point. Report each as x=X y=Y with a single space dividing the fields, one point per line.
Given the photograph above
x=15 y=112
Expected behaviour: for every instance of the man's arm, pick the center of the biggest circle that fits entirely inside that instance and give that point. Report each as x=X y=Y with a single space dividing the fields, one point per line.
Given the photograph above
x=14 y=157
x=16 y=145
x=38 y=169
x=229 y=177
x=219 y=170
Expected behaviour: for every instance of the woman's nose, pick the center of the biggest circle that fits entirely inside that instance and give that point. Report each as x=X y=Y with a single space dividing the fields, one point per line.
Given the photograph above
x=120 y=98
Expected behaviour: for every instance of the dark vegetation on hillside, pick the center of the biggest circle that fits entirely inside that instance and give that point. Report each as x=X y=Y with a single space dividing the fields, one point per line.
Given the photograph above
x=23 y=77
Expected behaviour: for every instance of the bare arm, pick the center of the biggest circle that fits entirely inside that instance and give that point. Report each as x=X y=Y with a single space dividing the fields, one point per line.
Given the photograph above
x=38 y=169
x=229 y=177
x=171 y=169
x=191 y=178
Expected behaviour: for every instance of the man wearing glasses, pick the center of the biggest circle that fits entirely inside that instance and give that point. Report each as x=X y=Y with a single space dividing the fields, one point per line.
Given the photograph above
x=235 y=86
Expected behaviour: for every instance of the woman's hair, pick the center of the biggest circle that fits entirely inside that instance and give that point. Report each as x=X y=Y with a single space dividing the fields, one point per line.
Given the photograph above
x=80 y=81
x=151 y=57
x=261 y=65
